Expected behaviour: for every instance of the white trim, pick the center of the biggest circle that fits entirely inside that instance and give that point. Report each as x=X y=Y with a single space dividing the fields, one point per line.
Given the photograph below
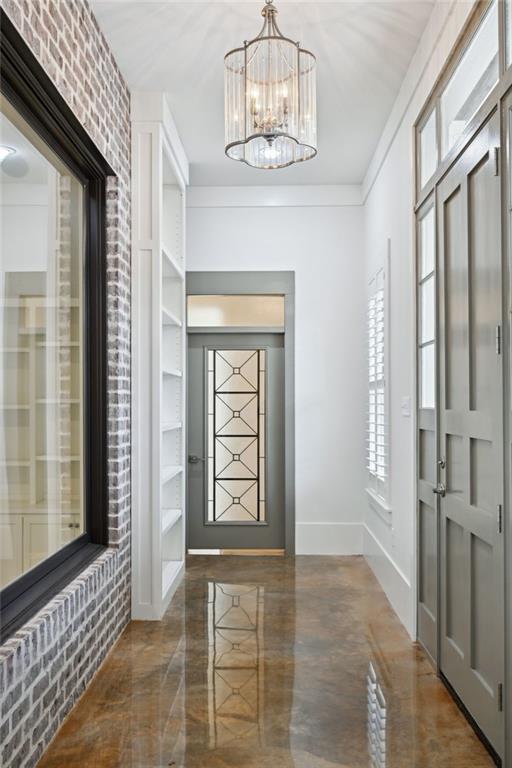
x=392 y=579
x=152 y=107
x=379 y=506
x=335 y=195
x=329 y=538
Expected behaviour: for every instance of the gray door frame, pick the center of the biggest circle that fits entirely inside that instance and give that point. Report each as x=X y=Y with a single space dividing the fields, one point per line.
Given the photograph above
x=248 y=283
x=506 y=190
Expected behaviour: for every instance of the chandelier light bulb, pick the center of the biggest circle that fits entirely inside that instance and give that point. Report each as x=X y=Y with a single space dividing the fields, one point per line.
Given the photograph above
x=270 y=99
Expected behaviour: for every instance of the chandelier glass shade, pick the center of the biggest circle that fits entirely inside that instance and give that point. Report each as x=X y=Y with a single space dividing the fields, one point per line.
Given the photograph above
x=270 y=99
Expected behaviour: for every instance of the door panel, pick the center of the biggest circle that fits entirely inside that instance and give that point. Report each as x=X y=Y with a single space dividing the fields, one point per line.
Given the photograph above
x=236 y=441
x=471 y=431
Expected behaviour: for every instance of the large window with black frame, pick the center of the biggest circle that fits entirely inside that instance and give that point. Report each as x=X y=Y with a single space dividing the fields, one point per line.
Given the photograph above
x=52 y=485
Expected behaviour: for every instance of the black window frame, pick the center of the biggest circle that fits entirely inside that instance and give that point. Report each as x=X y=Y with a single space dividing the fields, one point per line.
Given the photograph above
x=25 y=84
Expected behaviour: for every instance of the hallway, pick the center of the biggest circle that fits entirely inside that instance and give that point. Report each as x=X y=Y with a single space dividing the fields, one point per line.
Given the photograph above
x=264 y=662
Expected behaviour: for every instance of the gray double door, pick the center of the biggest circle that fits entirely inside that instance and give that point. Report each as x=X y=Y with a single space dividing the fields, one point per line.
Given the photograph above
x=236 y=441
x=470 y=456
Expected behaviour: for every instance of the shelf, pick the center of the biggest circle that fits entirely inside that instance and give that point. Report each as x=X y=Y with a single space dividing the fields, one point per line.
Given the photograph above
x=171 y=266
x=59 y=459
x=58 y=344
x=14 y=463
x=158 y=367
x=14 y=407
x=28 y=302
x=169 y=472
x=169 y=519
x=170 y=569
x=55 y=401
x=168 y=318
x=46 y=508
x=13 y=349
x=170 y=426
x=172 y=372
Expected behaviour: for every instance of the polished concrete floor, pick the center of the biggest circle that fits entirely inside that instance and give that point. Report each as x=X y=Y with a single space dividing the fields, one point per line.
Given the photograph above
x=269 y=663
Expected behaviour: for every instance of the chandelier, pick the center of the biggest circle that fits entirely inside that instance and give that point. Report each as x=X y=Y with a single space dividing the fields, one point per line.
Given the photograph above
x=270 y=99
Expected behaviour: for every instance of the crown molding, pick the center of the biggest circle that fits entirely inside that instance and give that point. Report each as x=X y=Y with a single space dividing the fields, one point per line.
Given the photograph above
x=279 y=196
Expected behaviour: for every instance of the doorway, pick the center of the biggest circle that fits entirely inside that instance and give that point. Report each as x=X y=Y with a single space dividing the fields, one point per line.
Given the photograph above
x=240 y=469
x=236 y=441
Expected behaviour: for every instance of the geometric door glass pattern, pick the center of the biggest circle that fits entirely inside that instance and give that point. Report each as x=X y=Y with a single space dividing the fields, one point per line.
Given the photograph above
x=235 y=664
x=236 y=396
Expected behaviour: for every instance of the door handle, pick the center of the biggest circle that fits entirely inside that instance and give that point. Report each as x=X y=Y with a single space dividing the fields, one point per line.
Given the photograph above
x=440 y=490
x=193 y=459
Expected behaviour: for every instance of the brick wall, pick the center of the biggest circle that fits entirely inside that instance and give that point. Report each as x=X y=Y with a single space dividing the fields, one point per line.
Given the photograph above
x=46 y=666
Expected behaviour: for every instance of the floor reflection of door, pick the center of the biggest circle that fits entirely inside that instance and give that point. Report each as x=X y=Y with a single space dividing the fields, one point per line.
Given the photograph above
x=239 y=668
x=235 y=663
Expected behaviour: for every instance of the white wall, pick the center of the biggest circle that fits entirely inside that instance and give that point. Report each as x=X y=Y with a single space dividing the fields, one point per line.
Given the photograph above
x=389 y=199
x=318 y=233
x=24 y=227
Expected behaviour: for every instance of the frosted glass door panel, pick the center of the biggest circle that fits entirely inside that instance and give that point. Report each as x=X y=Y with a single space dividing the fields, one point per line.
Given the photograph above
x=428 y=310
x=427 y=244
x=428 y=376
x=236 y=435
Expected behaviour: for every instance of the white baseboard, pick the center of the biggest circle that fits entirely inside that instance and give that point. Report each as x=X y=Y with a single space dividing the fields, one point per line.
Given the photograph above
x=329 y=538
x=393 y=581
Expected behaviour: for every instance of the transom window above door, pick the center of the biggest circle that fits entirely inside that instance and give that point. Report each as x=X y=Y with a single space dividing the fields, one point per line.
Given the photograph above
x=235 y=311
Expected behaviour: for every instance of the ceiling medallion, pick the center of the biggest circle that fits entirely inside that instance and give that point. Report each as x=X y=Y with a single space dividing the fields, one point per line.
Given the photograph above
x=270 y=99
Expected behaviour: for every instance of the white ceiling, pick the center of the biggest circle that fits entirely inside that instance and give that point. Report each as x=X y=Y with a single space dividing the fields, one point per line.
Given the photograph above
x=26 y=165
x=363 y=51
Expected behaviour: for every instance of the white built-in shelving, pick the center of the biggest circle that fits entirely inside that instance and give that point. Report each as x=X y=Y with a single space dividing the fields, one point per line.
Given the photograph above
x=38 y=513
x=159 y=179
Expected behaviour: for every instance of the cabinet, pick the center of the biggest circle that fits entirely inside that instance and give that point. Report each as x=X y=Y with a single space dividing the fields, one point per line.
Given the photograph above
x=26 y=539
x=159 y=179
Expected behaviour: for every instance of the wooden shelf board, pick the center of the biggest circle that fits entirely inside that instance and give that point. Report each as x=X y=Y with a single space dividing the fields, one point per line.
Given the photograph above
x=55 y=401
x=58 y=344
x=170 y=570
x=171 y=266
x=60 y=459
x=172 y=372
x=14 y=407
x=45 y=508
x=170 y=426
x=169 y=519
x=27 y=302
x=169 y=472
x=168 y=318
x=15 y=463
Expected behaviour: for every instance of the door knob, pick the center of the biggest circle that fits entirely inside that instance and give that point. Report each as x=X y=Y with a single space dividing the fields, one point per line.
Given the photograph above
x=440 y=490
x=193 y=459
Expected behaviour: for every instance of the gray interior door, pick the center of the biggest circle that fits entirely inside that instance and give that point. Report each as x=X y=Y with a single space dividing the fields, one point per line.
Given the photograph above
x=235 y=441
x=471 y=432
